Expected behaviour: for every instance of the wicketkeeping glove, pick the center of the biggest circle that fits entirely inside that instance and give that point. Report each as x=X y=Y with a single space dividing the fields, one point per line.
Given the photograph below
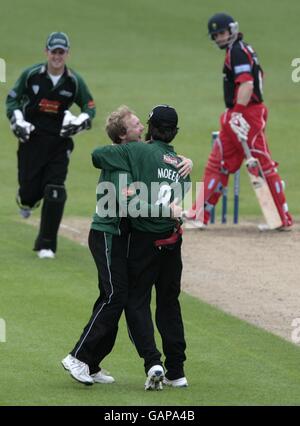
x=20 y=127
x=240 y=126
x=72 y=124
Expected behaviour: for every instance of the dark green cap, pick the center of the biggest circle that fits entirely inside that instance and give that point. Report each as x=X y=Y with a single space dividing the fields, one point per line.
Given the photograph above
x=58 y=40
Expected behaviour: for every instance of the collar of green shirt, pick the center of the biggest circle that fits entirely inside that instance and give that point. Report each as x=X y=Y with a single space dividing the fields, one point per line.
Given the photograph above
x=165 y=145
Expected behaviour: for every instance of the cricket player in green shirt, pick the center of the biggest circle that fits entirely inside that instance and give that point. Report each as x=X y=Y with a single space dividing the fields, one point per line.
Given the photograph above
x=38 y=110
x=109 y=240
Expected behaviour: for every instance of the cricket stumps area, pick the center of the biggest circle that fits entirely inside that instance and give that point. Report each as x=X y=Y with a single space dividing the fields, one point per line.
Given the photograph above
x=236 y=194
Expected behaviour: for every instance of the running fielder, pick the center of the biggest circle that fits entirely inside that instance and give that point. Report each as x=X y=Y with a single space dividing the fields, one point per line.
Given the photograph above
x=38 y=109
x=246 y=116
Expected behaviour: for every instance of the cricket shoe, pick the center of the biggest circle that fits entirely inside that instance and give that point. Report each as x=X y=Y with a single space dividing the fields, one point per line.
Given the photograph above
x=46 y=254
x=177 y=383
x=263 y=227
x=194 y=223
x=284 y=229
x=67 y=361
x=81 y=372
x=190 y=220
x=155 y=378
x=189 y=214
x=100 y=377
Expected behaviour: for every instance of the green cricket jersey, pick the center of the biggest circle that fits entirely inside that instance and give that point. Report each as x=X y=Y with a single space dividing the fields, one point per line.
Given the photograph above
x=43 y=104
x=154 y=165
x=107 y=217
x=113 y=197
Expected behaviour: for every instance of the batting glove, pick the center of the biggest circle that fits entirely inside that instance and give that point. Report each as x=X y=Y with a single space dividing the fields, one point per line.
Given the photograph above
x=20 y=127
x=240 y=126
x=72 y=125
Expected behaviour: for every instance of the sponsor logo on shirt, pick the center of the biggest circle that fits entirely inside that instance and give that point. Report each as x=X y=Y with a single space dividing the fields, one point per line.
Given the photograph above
x=170 y=160
x=239 y=69
x=49 y=106
x=35 y=89
x=65 y=93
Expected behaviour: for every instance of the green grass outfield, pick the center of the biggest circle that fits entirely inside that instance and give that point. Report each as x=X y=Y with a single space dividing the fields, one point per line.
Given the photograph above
x=46 y=304
x=140 y=53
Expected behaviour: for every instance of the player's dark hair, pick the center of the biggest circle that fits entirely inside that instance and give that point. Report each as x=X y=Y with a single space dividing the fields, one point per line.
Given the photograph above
x=163 y=134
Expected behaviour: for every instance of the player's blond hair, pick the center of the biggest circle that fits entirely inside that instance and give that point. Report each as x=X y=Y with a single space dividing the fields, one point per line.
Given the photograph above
x=115 y=125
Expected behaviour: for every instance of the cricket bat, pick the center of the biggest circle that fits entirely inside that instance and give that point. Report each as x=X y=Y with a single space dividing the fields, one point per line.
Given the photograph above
x=261 y=189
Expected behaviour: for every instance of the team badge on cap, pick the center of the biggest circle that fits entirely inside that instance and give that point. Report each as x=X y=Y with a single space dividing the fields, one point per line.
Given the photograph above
x=58 y=40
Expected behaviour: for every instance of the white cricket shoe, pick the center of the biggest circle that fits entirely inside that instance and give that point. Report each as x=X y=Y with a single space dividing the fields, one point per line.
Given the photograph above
x=189 y=214
x=154 y=378
x=177 y=383
x=194 y=223
x=46 y=254
x=79 y=371
x=102 y=377
x=263 y=227
x=67 y=361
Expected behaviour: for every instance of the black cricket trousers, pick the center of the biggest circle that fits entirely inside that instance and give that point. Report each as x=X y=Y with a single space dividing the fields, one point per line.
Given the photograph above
x=99 y=335
x=42 y=160
x=148 y=265
x=42 y=170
